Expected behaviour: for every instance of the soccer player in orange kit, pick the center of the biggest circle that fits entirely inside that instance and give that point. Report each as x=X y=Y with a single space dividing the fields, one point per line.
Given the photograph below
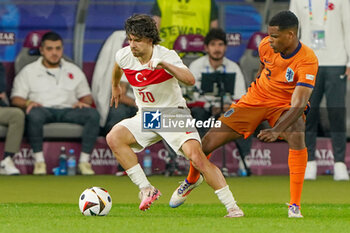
x=279 y=95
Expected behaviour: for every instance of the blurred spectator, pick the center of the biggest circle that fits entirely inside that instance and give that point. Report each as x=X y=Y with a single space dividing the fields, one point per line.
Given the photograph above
x=126 y=108
x=325 y=27
x=54 y=90
x=13 y=119
x=101 y=82
x=206 y=105
x=179 y=17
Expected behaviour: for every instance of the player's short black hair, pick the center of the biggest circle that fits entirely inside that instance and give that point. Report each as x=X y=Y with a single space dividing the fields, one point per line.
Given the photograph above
x=142 y=25
x=215 y=34
x=285 y=20
x=53 y=36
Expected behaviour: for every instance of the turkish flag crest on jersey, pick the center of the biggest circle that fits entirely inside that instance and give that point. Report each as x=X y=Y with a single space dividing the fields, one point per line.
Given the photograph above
x=140 y=78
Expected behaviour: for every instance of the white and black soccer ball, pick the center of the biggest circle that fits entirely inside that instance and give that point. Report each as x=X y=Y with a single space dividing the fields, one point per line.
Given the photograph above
x=95 y=201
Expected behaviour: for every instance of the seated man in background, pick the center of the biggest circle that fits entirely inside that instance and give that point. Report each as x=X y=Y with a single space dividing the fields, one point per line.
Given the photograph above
x=13 y=119
x=206 y=105
x=54 y=90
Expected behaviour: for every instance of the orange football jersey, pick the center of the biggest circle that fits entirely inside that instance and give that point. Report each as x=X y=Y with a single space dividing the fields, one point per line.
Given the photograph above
x=282 y=74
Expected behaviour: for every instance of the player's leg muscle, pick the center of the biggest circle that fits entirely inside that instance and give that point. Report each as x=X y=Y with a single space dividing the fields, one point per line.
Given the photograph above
x=217 y=137
x=295 y=135
x=211 y=173
x=119 y=140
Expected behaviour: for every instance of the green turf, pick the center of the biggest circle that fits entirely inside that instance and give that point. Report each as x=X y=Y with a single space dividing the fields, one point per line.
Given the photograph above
x=50 y=204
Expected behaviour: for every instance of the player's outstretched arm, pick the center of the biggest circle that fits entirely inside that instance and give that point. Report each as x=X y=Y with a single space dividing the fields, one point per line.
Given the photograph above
x=116 y=89
x=300 y=98
x=182 y=74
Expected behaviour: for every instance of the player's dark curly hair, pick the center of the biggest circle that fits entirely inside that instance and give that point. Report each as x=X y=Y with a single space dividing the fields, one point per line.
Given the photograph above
x=285 y=20
x=142 y=25
x=215 y=34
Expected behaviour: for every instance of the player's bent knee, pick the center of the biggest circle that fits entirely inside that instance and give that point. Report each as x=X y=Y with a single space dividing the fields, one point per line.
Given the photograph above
x=110 y=140
x=198 y=161
x=297 y=127
x=197 y=158
x=295 y=138
x=114 y=138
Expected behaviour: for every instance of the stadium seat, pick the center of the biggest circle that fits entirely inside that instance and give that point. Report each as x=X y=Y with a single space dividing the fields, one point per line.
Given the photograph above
x=3 y=131
x=190 y=47
x=28 y=54
x=249 y=62
x=62 y=130
x=55 y=130
x=30 y=50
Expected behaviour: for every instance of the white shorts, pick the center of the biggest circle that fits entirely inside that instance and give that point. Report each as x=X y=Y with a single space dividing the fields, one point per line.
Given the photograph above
x=147 y=138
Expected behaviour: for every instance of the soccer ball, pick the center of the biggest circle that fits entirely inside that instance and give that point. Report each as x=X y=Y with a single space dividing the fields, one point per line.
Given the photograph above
x=95 y=201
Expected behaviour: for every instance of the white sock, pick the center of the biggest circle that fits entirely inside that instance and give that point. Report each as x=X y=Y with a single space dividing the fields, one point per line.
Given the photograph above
x=241 y=165
x=84 y=157
x=39 y=157
x=247 y=162
x=138 y=176
x=225 y=196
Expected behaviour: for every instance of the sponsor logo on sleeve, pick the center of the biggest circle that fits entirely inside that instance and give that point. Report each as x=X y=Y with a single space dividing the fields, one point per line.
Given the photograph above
x=310 y=77
x=229 y=112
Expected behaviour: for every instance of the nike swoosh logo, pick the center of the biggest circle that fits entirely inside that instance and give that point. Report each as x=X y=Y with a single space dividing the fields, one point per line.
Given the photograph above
x=141 y=89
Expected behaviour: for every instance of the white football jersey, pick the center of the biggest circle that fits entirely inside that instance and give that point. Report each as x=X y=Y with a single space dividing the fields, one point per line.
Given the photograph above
x=152 y=88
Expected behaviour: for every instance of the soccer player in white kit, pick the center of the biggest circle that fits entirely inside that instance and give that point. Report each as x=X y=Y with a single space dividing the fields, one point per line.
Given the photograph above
x=153 y=72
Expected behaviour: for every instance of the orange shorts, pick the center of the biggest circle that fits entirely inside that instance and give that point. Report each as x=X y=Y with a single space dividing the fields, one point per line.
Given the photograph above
x=244 y=117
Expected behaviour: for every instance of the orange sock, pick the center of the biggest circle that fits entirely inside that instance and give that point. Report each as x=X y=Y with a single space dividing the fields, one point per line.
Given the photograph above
x=193 y=174
x=297 y=161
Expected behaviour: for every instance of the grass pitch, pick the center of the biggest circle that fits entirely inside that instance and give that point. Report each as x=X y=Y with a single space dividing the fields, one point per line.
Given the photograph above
x=50 y=204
